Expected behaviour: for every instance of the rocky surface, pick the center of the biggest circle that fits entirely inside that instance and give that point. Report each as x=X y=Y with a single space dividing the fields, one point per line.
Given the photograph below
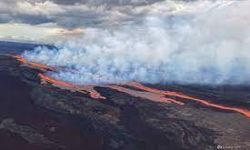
x=47 y=117
x=27 y=133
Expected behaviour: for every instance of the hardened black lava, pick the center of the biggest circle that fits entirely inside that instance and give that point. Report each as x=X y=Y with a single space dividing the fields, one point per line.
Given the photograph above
x=35 y=116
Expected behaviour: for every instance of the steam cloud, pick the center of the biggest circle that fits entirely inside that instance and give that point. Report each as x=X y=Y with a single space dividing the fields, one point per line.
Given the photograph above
x=208 y=46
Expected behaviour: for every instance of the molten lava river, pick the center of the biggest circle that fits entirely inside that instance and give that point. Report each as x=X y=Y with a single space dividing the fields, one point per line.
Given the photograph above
x=134 y=89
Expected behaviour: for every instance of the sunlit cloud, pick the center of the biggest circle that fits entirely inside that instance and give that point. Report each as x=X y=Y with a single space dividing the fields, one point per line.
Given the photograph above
x=46 y=33
x=49 y=18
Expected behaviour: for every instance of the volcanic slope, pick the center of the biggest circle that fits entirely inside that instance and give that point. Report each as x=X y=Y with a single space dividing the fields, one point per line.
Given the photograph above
x=129 y=116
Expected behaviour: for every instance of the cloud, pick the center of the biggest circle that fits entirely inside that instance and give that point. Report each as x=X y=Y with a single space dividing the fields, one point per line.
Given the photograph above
x=77 y=14
x=71 y=15
x=202 y=43
x=44 y=11
x=45 y=33
x=107 y=2
x=80 y=13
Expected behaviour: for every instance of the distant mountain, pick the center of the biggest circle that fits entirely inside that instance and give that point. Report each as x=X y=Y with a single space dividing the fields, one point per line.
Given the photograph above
x=7 y=47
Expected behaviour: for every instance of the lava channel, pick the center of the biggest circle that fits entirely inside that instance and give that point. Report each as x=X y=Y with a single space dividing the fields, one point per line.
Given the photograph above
x=147 y=95
x=184 y=96
x=89 y=89
x=84 y=89
x=34 y=65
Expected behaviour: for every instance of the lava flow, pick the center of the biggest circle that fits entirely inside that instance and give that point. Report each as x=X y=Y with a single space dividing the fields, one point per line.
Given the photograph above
x=85 y=89
x=183 y=96
x=41 y=67
x=62 y=84
x=147 y=93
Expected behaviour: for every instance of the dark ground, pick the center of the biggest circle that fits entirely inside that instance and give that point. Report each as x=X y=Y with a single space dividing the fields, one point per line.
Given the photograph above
x=43 y=117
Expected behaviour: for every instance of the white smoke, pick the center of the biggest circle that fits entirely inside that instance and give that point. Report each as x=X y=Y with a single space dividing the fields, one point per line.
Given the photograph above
x=200 y=46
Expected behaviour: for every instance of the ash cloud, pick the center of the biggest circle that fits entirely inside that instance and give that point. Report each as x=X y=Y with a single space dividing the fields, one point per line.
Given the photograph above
x=204 y=43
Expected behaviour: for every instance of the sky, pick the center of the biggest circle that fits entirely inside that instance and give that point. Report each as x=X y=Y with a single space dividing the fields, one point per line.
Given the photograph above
x=49 y=21
x=201 y=41
x=112 y=41
x=52 y=20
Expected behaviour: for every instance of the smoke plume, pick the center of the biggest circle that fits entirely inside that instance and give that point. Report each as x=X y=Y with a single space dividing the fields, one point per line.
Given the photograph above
x=196 y=43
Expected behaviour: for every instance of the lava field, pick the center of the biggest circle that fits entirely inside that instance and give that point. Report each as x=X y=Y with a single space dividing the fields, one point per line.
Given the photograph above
x=41 y=112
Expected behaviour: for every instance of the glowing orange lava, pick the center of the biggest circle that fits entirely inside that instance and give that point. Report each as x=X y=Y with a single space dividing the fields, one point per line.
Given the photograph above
x=62 y=84
x=183 y=96
x=147 y=95
x=41 y=67
x=92 y=92
x=56 y=82
x=85 y=89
